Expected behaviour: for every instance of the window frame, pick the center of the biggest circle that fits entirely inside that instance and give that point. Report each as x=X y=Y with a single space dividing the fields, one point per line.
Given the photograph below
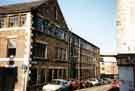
x=40 y=47
x=9 y=49
x=3 y=24
x=13 y=21
x=23 y=18
x=60 y=53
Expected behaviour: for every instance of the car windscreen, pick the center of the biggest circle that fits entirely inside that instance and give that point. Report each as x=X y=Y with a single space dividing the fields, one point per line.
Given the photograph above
x=56 y=82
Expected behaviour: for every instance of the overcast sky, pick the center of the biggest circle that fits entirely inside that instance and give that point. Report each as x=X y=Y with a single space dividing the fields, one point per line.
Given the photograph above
x=94 y=20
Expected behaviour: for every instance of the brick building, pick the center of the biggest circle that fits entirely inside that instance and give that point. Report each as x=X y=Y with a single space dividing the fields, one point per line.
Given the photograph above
x=36 y=46
x=84 y=58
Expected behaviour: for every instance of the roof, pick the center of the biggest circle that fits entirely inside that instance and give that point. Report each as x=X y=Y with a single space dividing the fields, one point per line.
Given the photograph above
x=85 y=40
x=108 y=55
x=20 y=7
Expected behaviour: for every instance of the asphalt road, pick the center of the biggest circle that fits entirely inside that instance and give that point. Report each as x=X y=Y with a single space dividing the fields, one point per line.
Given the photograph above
x=97 y=88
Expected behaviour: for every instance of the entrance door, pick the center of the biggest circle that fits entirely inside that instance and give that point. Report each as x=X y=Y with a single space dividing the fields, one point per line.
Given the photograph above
x=50 y=75
x=8 y=78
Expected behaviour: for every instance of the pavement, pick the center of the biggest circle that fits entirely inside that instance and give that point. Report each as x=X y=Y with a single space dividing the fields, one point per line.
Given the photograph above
x=97 y=88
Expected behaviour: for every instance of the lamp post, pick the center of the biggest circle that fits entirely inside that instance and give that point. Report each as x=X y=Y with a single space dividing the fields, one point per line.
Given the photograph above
x=79 y=61
x=69 y=55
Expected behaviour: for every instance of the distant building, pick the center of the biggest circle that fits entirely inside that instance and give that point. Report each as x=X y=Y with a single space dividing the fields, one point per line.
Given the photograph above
x=84 y=58
x=108 y=66
x=126 y=43
x=36 y=46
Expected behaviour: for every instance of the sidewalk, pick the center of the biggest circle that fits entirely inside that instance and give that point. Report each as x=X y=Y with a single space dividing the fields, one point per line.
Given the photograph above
x=97 y=88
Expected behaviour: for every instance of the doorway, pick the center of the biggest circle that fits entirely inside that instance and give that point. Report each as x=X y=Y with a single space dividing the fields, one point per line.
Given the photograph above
x=8 y=78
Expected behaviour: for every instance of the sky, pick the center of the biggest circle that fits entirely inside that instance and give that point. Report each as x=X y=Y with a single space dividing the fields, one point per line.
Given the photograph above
x=93 y=20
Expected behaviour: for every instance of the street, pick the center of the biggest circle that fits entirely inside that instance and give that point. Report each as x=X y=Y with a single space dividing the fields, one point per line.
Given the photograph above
x=97 y=88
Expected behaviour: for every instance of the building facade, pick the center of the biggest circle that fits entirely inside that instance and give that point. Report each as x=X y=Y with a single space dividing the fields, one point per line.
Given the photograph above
x=126 y=43
x=36 y=46
x=108 y=66
x=84 y=58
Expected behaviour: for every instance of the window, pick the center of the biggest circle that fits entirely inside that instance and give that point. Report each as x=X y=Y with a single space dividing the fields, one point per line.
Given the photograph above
x=11 y=47
x=48 y=11
x=60 y=33
x=2 y=22
x=13 y=21
x=40 y=50
x=34 y=21
x=102 y=63
x=52 y=30
x=60 y=53
x=22 y=20
x=76 y=41
x=66 y=36
x=103 y=68
x=38 y=23
x=46 y=26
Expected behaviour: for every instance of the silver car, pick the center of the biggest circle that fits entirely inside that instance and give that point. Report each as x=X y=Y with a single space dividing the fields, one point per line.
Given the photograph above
x=56 y=85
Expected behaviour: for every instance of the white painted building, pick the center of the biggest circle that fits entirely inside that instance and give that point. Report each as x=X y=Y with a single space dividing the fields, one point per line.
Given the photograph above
x=125 y=26
x=126 y=43
x=108 y=66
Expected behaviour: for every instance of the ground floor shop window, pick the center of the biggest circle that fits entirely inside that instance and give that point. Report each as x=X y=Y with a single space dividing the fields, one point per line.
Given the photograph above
x=42 y=76
x=8 y=78
x=50 y=75
x=33 y=76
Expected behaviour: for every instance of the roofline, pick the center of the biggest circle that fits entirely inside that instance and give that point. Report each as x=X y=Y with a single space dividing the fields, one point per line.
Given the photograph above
x=108 y=55
x=6 y=5
x=21 y=3
x=62 y=13
x=16 y=12
x=126 y=54
x=84 y=40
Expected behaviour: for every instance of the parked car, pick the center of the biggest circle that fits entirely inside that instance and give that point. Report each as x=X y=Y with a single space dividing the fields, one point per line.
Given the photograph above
x=93 y=82
x=101 y=81
x=56 y=85
x=74 y=84
x=108 y=80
